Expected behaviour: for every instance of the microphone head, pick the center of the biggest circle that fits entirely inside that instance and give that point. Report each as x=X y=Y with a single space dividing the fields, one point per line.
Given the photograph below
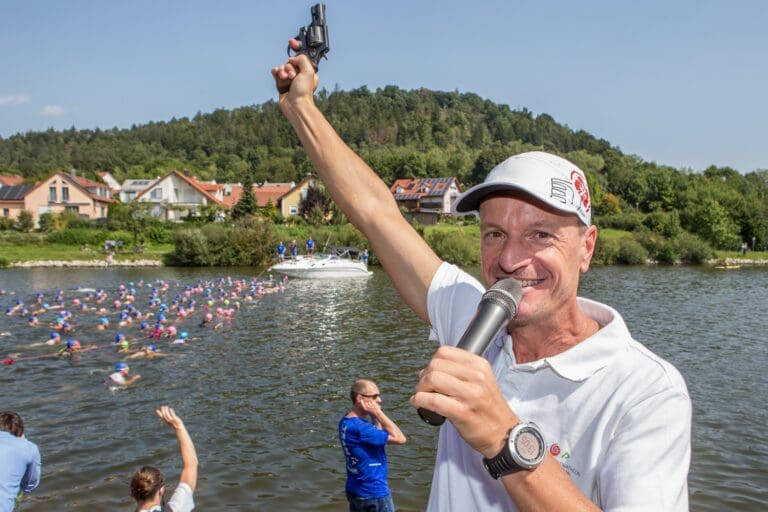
x=507 y=293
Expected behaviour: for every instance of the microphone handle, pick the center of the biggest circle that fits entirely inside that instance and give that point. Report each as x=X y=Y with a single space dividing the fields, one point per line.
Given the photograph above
x=490 y=318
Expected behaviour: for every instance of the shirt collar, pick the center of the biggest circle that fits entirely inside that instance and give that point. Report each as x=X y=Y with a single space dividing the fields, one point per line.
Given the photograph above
x=583 y=360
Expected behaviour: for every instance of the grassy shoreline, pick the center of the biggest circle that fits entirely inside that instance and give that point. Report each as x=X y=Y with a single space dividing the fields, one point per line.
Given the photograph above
x=37 y=253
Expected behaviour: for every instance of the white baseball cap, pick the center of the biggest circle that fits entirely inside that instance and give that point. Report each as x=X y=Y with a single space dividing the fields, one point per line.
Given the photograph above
x=549 y=178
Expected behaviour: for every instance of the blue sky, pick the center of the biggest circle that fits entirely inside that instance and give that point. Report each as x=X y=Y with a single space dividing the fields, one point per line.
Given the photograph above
x=681 y=83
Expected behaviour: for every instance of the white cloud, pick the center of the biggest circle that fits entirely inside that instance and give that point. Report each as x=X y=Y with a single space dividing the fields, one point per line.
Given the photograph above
x=52 y=111
x=14 y=99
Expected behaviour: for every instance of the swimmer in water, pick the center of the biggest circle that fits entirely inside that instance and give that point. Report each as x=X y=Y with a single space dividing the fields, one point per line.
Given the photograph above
x=73 y=346
x=103 y=323
x=53 y=339
x=120 y=376
x=182 y=339
x=207 y=319
x=148 y=352
x=121 y=342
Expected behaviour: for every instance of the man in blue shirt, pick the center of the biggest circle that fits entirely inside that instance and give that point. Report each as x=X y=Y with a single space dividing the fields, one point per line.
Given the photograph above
x=281 y=251
x=310 y=246
x=20 y=468
x=363 y=434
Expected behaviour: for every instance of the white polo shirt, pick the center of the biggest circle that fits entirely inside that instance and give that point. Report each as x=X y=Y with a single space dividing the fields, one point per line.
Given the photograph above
x=614 y=415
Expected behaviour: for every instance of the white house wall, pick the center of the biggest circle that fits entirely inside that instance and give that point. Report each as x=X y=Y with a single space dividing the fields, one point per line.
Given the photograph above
x=173 y=191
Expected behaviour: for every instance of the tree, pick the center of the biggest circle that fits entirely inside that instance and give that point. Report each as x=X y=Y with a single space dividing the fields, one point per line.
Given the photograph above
x=316 y=207
x=247 y=203
x=25 y=221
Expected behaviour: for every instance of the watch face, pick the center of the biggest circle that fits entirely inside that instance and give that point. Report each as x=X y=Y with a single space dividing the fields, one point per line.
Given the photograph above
x=527 y=445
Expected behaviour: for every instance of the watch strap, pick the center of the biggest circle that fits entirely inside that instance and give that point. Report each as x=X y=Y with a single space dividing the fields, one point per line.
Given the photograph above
x=502 y=464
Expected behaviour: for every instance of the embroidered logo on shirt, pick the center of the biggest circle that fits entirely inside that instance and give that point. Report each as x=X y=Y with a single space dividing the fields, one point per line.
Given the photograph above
x=562 y=456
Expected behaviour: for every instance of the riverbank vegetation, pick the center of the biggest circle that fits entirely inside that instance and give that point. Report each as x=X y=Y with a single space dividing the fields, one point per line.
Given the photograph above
x=646 y=211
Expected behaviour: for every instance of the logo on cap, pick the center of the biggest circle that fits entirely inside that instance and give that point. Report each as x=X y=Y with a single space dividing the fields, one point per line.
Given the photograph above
x=562 y=191
x=580 y=184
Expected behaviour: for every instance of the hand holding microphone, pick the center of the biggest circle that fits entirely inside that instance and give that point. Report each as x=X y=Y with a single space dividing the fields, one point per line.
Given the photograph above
x=497 y=307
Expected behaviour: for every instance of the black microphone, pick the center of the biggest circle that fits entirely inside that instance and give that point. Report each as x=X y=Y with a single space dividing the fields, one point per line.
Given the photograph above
x=497 y=307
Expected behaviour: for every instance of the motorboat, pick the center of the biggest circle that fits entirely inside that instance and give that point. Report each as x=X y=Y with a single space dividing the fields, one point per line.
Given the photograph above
x=337 y=263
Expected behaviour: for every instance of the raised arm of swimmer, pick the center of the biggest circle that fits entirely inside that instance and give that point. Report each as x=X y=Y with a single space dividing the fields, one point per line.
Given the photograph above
x=363 y=197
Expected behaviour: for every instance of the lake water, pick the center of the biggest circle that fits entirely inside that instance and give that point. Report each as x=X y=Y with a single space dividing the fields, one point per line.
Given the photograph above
x=262 y=397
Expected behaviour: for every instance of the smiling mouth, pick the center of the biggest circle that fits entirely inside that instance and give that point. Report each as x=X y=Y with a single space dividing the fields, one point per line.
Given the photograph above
x=525 y=283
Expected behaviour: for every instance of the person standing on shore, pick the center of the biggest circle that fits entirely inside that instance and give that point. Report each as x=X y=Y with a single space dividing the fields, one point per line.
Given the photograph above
x=148 y=484
x=19 y=461
x=281 y=252
x=566 y=411
x=363 y=434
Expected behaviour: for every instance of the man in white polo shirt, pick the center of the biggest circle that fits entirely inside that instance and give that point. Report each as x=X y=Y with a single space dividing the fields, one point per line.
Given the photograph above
x=566 y=411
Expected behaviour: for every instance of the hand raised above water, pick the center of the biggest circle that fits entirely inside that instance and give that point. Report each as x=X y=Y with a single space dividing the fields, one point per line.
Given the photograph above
x=169 y=417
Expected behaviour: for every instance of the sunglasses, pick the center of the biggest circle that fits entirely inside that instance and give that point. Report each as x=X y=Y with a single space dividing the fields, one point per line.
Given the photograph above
x=374 y=397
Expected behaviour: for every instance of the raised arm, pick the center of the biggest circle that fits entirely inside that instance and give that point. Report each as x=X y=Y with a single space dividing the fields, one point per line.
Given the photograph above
x=187 y=448
x=363 y=197
x=373 y=408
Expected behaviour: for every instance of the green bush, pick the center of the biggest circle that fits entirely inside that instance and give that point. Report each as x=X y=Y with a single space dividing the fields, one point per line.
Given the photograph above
x=4 y=262
x=47 y=222
x=14 y=238
x=350 y=236
x=190 y=248
x=157 y=234
x=692 y=249
x=250 y=242
x=655 y=244
x=624 y=221
x=25 y=221
x=631 y=252
x=666 y=253
x=418 y=227
x=90 y=236
x=606 y=251
x=6 y=223
x=663 y=223
x=454 y=246
x=80 y=223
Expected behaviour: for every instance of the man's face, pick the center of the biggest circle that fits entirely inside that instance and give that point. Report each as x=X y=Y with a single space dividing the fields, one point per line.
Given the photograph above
x=543 y=248
x=372 y=392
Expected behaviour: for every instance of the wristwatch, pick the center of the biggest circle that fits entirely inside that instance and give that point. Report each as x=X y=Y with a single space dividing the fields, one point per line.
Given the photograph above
x=523 y=449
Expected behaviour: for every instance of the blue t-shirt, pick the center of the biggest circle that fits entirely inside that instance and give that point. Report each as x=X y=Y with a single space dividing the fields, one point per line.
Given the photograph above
x=281 y=249
x=363 y=446
x=19 y=469
x=310 y=244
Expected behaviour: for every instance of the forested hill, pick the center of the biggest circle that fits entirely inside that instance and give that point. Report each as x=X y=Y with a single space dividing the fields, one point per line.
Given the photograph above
x=404 y=133
x=418 y=133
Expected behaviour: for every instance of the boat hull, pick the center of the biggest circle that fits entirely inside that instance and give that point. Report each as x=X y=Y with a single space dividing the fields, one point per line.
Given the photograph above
x=322 y=269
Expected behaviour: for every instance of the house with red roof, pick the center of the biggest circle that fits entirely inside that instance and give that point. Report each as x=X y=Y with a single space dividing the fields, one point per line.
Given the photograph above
x=11 y=181
x=426 y=198
x=177 y=195
x=57 y=193
x=283 y=196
